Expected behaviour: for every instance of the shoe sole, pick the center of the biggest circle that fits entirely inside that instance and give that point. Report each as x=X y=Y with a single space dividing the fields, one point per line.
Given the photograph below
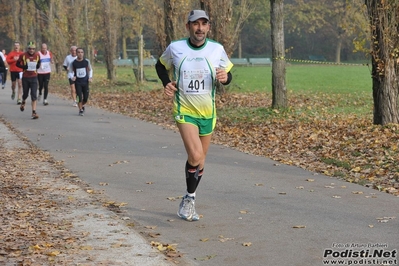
x=22 y=108
x=189 y=219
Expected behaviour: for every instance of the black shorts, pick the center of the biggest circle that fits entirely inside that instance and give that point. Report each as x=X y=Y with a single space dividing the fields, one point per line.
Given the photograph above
x=71 y=82
x=15 y=75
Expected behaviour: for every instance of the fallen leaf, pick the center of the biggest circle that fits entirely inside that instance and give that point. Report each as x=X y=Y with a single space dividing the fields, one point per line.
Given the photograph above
x=208 y=257
x=299 y=226
x=54 y=253
x=151 y=227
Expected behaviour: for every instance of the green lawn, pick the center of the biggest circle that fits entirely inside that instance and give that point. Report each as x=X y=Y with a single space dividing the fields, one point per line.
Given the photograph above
x=333 y=88
x=310 y=78
x=339 y=79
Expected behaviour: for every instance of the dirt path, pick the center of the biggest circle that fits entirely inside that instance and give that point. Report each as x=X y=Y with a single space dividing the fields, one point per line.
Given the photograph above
x=49 y=216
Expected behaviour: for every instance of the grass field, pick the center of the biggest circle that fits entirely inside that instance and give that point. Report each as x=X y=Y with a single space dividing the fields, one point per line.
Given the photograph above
x=333 y=88
x=299 y=78
x=337 y=88
x=305 y=78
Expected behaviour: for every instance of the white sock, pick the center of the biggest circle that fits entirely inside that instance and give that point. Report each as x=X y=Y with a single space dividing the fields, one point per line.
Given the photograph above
x=191 y=194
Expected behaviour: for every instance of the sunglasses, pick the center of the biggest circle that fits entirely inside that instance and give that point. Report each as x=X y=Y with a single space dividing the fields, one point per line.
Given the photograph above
x=31 y=48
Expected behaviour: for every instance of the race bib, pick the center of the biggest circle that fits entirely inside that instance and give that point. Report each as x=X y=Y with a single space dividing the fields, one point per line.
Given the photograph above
x=45 y=65
x=81 y=72
x=32 y=66
x=197 y=81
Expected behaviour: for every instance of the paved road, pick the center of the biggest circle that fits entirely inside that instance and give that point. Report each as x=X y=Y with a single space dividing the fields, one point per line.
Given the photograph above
x=250 y=205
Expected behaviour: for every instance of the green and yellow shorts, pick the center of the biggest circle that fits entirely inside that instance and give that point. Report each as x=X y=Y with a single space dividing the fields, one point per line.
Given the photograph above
x=205 y=126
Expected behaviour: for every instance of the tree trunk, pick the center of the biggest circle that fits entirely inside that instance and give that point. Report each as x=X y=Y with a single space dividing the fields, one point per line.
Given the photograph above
x=338 y=49
x=384 y=19
x=110 y=10
x=279 y=90
x=124 y=47
x=23 y=30
x=385 y=95
x=72 y=24
x=169 y=26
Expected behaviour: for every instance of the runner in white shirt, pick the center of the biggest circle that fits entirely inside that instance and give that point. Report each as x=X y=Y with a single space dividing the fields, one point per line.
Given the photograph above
x=67 y=62
x=3 y=73
x=198 y=64
x=44 y=72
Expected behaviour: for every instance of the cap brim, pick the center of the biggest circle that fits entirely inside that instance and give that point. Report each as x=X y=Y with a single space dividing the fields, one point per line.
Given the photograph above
x=197 y=18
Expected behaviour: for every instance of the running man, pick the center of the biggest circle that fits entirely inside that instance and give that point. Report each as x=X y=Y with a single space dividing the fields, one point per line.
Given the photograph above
x=29 y=62
x=15 y=72
x=81 y=73
x=44 y=72
x=3 y=73
x=198 y=64
x=68 y=60
x=3 y=64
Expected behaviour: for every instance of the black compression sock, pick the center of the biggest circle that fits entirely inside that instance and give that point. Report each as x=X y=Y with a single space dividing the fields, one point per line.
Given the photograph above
x=200 y=172
x=191 y=177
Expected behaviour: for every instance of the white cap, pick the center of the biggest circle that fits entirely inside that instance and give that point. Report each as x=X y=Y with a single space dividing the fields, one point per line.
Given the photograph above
x=197 y=14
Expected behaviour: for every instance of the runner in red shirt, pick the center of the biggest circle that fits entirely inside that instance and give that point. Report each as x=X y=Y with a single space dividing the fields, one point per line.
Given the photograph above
x=15 y=72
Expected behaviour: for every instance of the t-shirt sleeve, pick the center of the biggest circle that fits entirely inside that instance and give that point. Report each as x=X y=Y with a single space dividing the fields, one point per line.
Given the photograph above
x=225 y=61
x=65 y=62
x=166 y=58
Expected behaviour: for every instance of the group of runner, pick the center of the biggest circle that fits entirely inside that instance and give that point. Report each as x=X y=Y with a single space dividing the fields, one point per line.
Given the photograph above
x=30 y=72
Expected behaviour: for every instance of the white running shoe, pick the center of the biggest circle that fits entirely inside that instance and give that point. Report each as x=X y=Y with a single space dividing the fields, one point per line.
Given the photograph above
x=75 y=104
x=45 y=102
x=187 y=209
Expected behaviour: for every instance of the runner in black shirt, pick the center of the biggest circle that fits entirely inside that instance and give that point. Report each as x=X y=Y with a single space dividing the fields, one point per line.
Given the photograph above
x=81 y=73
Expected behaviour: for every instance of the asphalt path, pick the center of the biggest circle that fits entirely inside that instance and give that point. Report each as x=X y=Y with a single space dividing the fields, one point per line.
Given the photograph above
x=254 y=211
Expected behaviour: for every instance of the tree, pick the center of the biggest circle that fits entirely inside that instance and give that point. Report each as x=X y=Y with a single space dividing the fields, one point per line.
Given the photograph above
x=110 y=34
x=384 y=24
x=170 y=25
x=73 y=21
x=279 y=90
x=227 y=20
x=325 y=24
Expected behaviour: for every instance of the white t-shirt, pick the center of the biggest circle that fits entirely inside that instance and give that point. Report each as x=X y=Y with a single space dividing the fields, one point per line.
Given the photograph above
x=2 y=56
x=68 y=61
x=195 y=71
